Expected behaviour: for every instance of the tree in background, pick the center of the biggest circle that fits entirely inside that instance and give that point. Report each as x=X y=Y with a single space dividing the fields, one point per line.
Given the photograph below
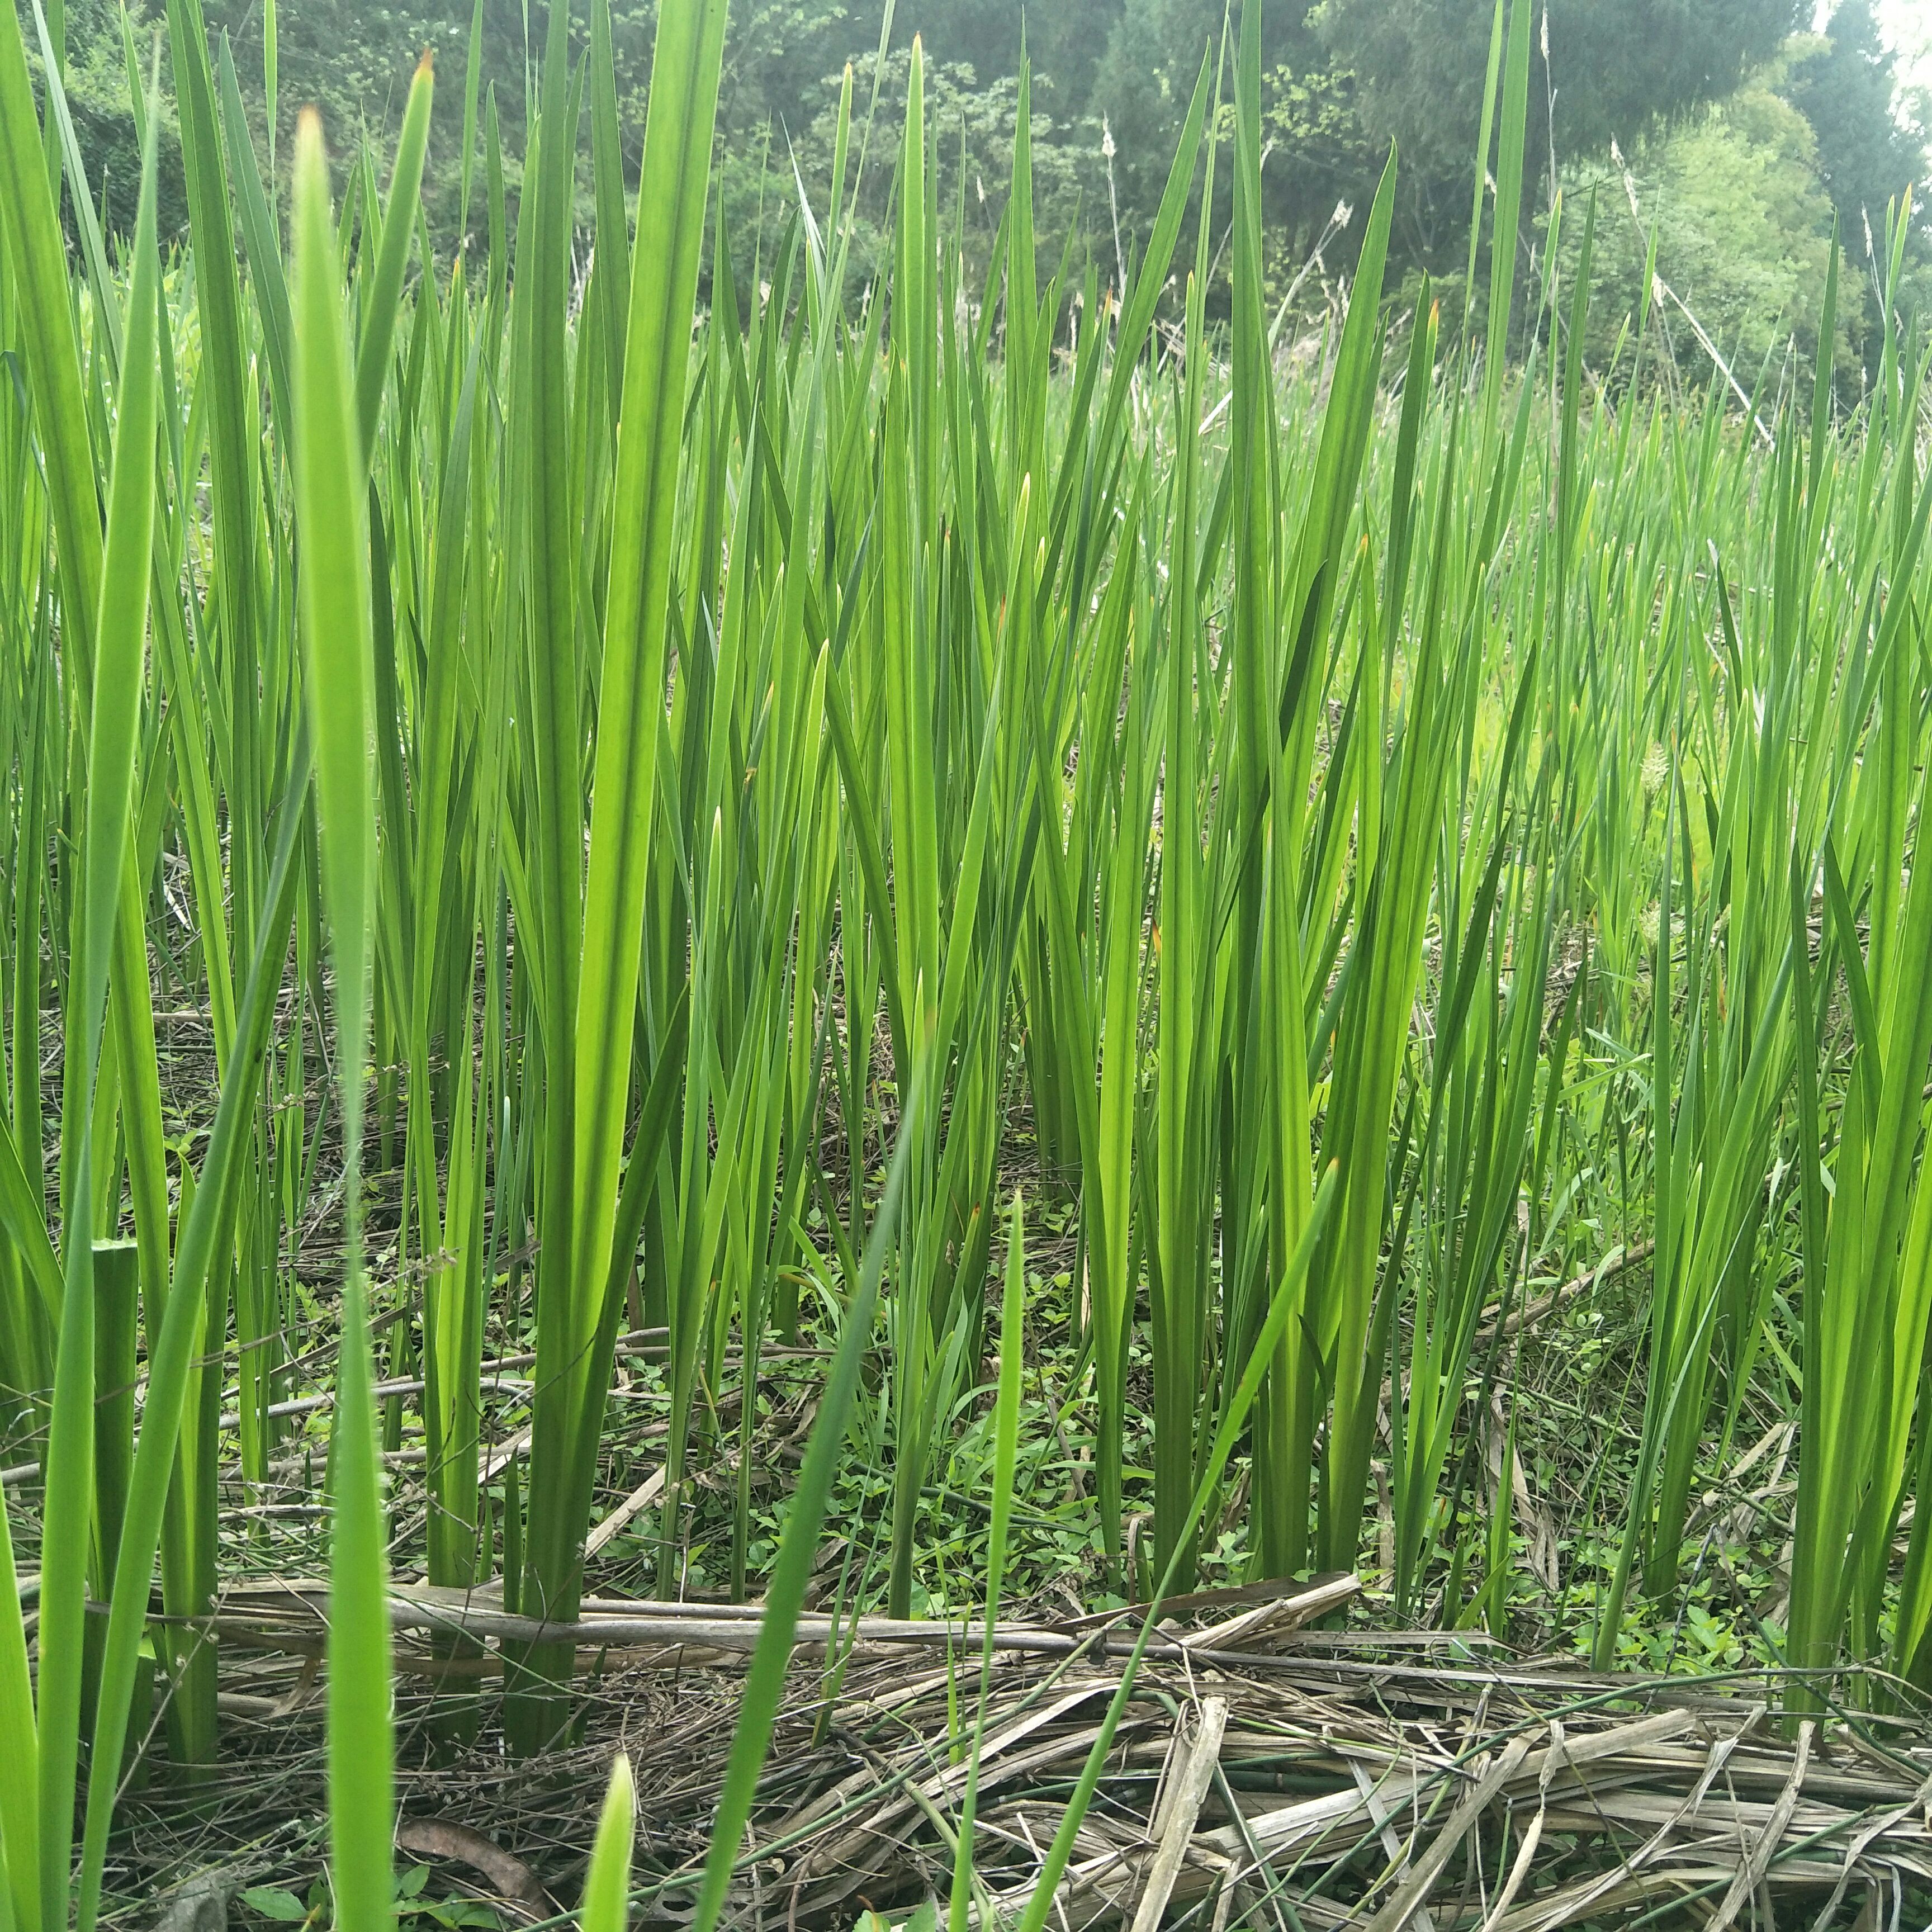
x=1619 y=71
x=1742 y=229
x=973 y=127
x=1871 y=141
x=1318 y=152
x=1740 y=200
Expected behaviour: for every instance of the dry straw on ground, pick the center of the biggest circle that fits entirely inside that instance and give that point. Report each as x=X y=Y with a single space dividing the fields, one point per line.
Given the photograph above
x=1269 y=1774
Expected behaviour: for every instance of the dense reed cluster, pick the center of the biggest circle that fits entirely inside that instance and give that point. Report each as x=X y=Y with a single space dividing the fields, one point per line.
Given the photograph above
x=671 y=810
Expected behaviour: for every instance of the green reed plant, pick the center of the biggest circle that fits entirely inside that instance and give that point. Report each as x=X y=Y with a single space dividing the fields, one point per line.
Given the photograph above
x=44 y=1724
x=590 y=934
x=339 y=680
x=737 y=783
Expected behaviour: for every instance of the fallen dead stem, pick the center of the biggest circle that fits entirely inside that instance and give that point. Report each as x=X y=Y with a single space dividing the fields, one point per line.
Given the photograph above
x=1387 y=1787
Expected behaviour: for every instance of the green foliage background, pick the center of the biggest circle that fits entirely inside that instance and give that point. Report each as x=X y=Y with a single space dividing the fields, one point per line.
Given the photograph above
x=1739 y=135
